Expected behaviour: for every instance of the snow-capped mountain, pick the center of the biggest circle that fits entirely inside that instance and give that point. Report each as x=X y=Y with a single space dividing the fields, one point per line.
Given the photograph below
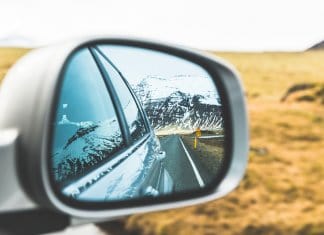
x=80 y=146
x=181 y=101
x=155 y=87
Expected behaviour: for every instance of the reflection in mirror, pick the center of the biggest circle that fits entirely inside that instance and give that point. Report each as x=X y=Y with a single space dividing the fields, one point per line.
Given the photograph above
x=132 y=123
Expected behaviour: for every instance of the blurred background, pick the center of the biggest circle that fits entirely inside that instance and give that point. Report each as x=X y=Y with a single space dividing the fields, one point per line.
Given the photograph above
x=277 y=47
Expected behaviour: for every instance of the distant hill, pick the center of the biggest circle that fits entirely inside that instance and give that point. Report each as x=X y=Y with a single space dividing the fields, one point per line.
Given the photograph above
x=317 y=46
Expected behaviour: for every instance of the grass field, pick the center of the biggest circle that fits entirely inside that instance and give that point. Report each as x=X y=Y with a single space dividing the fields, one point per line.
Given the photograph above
x=283 y=190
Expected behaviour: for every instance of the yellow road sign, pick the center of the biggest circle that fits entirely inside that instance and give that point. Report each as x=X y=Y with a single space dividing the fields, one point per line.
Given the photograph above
x=198 y=132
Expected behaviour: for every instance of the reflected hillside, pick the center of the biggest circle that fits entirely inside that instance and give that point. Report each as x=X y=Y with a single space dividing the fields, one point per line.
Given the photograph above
x=175 y=107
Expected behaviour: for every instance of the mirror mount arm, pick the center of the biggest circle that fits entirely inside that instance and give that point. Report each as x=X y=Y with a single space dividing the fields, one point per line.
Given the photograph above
x=16 y=215
x=34 y=221
x=12 y=196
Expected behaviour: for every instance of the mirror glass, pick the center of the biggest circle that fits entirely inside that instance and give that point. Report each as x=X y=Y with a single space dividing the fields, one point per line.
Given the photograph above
x=133 y=123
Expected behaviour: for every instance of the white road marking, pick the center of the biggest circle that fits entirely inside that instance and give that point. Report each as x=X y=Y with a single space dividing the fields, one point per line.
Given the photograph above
x=195 y=170
x=211 y=136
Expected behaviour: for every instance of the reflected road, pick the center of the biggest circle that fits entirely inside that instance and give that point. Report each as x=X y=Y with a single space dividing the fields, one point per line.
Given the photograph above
x=183 y=165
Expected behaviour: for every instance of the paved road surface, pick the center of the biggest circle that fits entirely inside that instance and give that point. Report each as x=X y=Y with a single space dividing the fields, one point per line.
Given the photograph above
x=183 y=165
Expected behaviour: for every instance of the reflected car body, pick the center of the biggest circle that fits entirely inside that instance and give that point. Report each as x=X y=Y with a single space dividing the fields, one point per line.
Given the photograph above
x=105 y=157
x=144 y=175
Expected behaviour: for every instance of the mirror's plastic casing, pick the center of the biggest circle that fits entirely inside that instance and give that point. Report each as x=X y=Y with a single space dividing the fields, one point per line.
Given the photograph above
x=26 y=103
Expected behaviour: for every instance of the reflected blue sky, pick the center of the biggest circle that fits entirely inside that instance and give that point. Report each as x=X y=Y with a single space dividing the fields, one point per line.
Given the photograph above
x=137 y=64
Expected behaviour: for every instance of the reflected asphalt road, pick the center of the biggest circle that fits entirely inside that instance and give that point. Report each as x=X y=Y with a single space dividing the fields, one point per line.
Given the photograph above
x=186 y=170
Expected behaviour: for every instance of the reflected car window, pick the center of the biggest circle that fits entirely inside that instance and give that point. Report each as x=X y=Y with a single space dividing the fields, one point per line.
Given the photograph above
x=133 y=116
x=86 y=129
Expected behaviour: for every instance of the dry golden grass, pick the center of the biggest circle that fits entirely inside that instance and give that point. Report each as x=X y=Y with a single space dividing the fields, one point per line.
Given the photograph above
x=8 y=56
x=283 y=190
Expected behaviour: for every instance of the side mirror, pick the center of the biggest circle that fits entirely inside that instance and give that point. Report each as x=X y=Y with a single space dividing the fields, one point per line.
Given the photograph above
x=111 y=127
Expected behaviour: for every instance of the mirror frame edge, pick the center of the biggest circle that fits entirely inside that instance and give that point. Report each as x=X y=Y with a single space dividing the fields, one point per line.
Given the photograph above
x=239 y=132
x=238 y=129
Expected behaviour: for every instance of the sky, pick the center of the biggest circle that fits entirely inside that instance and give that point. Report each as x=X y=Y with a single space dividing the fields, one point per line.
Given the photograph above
x=228 y=25
x=164 y=73
x=138 y=63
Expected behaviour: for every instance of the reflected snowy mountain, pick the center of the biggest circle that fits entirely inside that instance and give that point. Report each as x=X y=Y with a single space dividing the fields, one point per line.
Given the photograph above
x=83 y=145
x=178 y=102
x=84 y=166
